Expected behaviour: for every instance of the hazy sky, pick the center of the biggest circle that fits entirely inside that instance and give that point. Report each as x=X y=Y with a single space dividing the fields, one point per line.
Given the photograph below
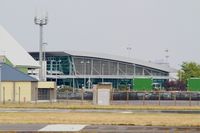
x=109 y=26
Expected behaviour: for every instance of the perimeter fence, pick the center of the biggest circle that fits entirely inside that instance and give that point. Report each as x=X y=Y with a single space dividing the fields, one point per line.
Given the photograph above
x=162 y=98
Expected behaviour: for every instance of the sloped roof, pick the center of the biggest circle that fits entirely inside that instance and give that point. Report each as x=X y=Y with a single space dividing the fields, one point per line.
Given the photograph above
x=110 y=57
x=8 y=73
x=123 y=59
x=14 y=52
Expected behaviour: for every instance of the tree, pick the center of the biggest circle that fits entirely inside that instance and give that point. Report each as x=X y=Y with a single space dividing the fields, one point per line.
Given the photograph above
x=189 y=70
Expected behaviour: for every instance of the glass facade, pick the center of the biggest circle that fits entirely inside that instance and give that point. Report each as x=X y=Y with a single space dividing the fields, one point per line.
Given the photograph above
x=58 y=63
x=86 y=71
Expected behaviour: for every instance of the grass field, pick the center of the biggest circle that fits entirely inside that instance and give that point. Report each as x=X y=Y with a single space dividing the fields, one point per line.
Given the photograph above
x=86 y=105
x=142 y=119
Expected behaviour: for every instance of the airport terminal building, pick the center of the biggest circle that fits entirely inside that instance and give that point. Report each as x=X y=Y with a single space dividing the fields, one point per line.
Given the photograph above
x=83 y=69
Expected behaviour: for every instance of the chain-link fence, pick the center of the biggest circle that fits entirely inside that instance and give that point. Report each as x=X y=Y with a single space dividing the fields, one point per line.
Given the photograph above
x=162 y=98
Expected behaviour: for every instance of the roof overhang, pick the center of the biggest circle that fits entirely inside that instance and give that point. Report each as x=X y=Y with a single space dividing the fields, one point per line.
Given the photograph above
x=13 y=51
x=110 y=57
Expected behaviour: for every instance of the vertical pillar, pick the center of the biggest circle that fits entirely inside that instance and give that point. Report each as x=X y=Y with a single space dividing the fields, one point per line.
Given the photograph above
x=175 y=98
x=117 y=68
x=190 y=98
x=19 y=94
x=4 y=100
x=159 y=97
x=82 y=96
x=92 y=64
x=14 y=92
x=73 y=84
x=127 y=96
x=143 y=99
x=126 y=70
x=40 y=53
x=36 y=95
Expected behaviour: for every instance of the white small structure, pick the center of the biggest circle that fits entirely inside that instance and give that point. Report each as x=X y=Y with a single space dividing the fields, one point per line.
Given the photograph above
x=101 y=93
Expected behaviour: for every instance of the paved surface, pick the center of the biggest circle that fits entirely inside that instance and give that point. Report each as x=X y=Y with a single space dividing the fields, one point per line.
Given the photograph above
x=30 y=110
x=62 y=128
x=21 y=127
x=140 y=129
x=95 y=128
x=40 y=127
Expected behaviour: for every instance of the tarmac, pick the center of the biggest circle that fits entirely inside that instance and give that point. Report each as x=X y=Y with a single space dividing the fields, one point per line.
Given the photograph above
x=24 y=128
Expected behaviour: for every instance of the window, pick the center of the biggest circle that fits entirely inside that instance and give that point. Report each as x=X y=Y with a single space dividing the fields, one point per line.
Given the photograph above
x=43 y=94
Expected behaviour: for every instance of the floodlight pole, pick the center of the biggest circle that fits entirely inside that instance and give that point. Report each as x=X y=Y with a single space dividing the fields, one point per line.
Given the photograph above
x=83 y=72
x=129 y=48
x=167 y=56
x=102 y=73
x=41 y=21
x=44 y=50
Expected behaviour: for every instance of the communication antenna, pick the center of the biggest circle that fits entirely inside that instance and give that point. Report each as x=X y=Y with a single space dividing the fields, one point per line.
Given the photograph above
x=129 y=49
x=41 y=21
x=167 y=56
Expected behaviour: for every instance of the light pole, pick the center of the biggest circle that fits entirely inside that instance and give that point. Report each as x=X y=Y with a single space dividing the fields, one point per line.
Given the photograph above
x=134 y=74
x=57 y=63
x=44 y=50
x=129 y=49
x=41 y=21
x=87 y=62
x=181 y=75
x=167 y=56
x=82 y=62
x=102 y=72
x=129 y=87
x=51 y=65
x=84 y=70
x=44 y=61
x=89 y=83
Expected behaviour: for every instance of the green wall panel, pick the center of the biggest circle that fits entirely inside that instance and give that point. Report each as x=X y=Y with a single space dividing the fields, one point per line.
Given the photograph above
x=142 y=84
x=194 y=84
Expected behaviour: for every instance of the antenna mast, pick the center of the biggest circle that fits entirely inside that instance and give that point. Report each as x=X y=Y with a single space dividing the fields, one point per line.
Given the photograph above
x=41 y=21
x=167 y=56
x=129 y=50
